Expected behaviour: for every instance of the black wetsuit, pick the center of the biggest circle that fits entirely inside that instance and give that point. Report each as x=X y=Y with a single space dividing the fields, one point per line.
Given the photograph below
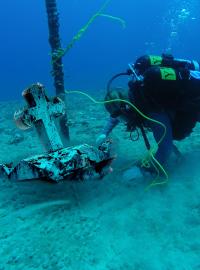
x=172 y=99
x=178 y=99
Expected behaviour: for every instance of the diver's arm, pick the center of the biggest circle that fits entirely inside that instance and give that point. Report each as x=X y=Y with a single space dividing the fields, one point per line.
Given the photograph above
x=111 y=123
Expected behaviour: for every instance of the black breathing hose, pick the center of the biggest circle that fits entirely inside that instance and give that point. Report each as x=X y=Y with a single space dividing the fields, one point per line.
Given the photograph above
x=114 y=77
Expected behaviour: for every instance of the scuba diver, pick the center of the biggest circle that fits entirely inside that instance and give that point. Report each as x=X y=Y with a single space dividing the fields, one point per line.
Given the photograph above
x=166 y=91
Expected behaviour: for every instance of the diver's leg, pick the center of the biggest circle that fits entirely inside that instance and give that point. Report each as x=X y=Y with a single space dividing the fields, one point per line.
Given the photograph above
x=163 y=136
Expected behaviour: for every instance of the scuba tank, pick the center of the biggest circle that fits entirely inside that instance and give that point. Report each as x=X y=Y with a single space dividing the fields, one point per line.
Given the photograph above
x=159 y=82
x=170 y=88
x=164 y=80
x=165 y=60
x=161 y=75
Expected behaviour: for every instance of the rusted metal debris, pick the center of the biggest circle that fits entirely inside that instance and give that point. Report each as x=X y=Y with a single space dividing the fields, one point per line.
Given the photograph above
x=41 y=113
x=72 y=163
x=58 y=163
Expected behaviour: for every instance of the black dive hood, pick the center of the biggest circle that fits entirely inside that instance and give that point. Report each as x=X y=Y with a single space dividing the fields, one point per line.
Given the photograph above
x=130 y=72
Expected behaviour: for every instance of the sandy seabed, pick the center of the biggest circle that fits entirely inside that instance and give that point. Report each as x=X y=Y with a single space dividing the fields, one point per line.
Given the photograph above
x=107 y=224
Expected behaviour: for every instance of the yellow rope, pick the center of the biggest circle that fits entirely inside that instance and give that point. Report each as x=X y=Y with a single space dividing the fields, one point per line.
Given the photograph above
x=120 y=20
x=61 y=52
x=158 y=167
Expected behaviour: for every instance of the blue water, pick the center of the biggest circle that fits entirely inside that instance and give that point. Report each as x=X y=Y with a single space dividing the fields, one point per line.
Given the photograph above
x=151 y=27
x=101 y=225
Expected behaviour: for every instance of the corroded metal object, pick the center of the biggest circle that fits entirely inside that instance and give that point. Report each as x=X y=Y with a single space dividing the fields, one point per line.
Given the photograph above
x=5 y=170
x=58 y=163
x=41 y=112
x=72 y=163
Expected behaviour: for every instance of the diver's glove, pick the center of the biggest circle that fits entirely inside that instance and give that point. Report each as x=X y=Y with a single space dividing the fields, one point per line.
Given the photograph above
x=138 y=172
x=101 y=139
x=132 y=174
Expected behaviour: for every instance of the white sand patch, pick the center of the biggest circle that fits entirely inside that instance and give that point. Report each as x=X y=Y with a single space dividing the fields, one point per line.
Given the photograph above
x=101 y=225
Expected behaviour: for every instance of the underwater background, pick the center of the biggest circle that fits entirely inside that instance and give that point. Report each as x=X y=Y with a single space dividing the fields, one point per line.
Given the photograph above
x=109 y=224
x=151 y=27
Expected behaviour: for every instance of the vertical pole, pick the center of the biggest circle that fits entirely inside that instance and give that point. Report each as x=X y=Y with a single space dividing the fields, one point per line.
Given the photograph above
x=57 y=65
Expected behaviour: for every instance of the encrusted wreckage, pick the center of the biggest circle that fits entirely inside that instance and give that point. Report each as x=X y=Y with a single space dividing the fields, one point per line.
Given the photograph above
x=72 y=163
x=58 y=163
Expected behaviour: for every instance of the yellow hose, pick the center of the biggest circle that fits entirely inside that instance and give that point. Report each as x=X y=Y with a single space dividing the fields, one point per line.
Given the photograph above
x=158 y=167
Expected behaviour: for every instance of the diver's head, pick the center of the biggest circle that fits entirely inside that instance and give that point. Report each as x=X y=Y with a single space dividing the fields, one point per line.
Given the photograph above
x=116 y=103
x=142 y=64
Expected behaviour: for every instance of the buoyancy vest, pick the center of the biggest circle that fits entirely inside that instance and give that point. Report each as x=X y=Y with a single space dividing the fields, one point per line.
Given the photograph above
x=146 y=61
x=167 y=88
x=174 y=91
